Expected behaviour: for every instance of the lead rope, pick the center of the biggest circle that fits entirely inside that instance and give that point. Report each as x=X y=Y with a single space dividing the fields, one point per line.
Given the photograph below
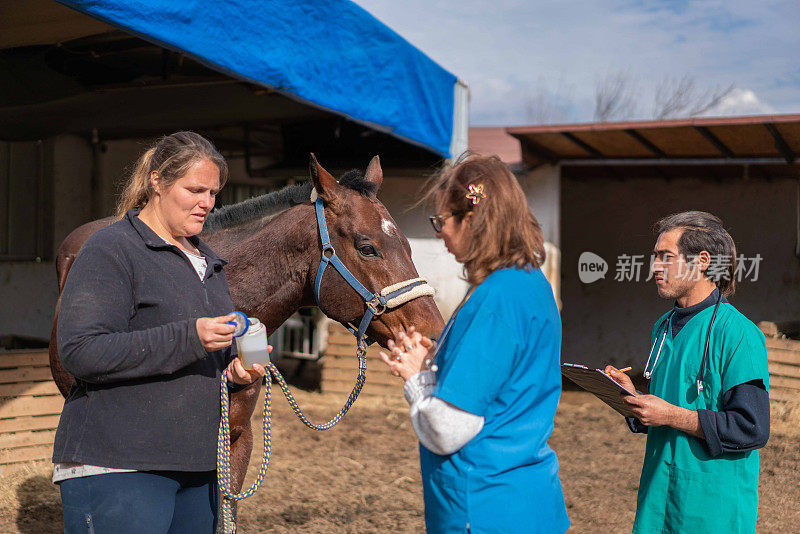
x=224 y=435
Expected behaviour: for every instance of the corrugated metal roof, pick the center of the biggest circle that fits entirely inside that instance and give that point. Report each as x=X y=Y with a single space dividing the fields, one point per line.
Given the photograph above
x=757 y=139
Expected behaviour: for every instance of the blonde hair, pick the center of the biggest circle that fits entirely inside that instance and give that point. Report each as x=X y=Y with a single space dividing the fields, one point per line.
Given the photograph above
x=502 y=231
x=172 y=156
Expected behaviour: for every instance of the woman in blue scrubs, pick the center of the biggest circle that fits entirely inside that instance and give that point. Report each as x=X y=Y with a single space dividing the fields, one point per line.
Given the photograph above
x=482 y=404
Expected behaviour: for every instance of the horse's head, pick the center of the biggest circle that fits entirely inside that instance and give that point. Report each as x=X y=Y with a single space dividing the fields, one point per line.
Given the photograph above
x=374 y=250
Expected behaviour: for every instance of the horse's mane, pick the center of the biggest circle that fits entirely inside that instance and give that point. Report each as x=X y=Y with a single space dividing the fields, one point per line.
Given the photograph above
x=279 y=201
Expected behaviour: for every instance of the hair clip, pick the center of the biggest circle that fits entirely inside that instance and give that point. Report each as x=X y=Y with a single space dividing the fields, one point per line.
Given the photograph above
x=475 y=193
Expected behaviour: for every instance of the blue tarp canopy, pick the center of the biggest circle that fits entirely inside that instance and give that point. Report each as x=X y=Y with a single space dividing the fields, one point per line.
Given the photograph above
x=330 y=54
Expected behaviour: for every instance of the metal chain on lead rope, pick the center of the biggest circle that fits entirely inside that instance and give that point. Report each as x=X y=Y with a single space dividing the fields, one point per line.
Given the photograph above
x=224 y=435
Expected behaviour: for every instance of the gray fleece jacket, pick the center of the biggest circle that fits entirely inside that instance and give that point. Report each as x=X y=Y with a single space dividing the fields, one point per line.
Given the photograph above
x=147 y=392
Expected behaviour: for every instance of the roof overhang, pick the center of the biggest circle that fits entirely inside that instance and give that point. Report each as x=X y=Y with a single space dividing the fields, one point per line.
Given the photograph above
x=762 y=142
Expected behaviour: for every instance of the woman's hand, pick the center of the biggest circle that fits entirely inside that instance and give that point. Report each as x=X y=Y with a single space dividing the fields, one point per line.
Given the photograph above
x=410 y=354
x=214 y=333
x=239 y=375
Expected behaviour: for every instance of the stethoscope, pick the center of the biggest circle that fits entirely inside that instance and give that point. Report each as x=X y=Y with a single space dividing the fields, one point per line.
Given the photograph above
x=648 y=371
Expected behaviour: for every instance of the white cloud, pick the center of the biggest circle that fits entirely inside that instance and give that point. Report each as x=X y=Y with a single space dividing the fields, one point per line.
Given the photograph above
x=741 y=102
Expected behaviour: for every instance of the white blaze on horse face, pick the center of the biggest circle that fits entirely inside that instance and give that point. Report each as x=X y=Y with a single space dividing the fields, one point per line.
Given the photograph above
x=388 y=227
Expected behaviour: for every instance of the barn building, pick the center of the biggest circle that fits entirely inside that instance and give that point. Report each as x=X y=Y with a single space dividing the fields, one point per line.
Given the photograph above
x=87 y=85
x=610 y=182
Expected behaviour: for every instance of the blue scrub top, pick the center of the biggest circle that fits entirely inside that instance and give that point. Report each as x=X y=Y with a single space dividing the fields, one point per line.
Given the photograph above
x=500 y=361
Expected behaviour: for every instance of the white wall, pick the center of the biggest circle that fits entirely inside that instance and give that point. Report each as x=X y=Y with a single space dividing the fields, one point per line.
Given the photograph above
x=433 y=262
x=429 y=254
x=442 y=272
x=29 y=290
x=542 y=187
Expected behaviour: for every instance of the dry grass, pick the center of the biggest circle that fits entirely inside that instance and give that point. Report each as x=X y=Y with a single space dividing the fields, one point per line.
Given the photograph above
x=363 y=476
x=29 y=502
x=785 y=419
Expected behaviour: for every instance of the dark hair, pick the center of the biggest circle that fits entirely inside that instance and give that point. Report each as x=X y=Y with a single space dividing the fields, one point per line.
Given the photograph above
x=503 y=232
x=172 y=156
x=704 y=231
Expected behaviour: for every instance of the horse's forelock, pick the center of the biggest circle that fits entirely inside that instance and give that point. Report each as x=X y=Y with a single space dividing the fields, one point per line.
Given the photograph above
x=355 y=181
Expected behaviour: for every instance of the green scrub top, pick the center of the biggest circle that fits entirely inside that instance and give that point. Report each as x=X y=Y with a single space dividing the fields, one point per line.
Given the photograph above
x=683 y=488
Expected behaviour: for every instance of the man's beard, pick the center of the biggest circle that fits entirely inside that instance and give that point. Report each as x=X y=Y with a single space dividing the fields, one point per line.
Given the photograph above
x=674 y=292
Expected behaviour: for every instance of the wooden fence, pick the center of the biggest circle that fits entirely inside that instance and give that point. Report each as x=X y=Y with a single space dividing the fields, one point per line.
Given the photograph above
x=30 y=402
x=784 y=369
x=340 y=367
x=30 y=405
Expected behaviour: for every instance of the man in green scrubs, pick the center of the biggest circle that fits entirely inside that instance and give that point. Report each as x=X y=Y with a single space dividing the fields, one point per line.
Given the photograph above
x=705 y=420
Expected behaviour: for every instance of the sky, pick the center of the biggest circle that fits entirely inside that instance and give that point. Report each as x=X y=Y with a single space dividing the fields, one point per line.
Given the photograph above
x=529 y=62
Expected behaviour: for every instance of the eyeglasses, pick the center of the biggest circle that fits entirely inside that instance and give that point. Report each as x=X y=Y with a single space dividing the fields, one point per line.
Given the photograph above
x=437 y=221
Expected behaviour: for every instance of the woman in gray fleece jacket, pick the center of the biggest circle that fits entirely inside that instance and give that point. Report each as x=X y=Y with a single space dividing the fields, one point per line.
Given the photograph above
x=143 y=328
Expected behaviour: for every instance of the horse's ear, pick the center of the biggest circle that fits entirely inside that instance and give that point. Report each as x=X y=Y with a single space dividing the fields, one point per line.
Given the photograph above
x=374 y=172
x=324 y=184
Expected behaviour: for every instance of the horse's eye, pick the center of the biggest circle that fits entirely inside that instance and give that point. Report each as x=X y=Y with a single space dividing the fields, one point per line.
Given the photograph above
x=367 y=250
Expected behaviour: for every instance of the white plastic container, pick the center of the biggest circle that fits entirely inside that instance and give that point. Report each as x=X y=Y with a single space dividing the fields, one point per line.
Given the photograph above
x=252 y=345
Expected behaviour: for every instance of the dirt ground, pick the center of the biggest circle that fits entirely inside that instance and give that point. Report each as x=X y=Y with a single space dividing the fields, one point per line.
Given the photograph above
x=363 y=475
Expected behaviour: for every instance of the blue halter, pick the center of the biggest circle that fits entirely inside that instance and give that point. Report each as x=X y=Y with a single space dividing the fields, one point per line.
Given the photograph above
x=376 y=303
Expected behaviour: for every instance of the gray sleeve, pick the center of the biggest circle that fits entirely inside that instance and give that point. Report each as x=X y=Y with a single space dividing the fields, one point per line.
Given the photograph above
x=93 y=338
x=441 y=427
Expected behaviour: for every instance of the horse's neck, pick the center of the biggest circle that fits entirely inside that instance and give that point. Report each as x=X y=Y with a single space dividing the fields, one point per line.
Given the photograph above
x=270 y=265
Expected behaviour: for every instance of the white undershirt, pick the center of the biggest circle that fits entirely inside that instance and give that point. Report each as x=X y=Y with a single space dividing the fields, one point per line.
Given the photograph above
x=198 y=262
x=440 y=426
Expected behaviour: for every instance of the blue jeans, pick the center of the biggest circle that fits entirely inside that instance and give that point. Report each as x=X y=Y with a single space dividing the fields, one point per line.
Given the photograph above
x=144 y=501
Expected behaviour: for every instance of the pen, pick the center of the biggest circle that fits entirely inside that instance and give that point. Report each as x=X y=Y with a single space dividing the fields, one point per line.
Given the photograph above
x=625 y=370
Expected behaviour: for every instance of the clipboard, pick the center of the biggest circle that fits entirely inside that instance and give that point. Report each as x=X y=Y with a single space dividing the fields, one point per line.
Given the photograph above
x=600 y=385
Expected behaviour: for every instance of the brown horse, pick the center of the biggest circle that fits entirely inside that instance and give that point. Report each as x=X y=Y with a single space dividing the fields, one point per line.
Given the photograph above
x=274 y=249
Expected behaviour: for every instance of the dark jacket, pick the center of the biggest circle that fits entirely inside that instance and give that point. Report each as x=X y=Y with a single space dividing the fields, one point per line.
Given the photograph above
x=147 y=392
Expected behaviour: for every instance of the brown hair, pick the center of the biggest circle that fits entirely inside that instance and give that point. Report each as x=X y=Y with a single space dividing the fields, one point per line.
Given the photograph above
x=704 y=231
x=503 y=232
x=172 y=156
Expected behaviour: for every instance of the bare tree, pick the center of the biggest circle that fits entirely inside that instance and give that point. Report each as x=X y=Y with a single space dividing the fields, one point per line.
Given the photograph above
x=615 y=98
x=680 y=97
x=549 y=107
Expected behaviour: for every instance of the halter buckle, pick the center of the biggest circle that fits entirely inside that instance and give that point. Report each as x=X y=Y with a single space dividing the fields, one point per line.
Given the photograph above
x=376 y=306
